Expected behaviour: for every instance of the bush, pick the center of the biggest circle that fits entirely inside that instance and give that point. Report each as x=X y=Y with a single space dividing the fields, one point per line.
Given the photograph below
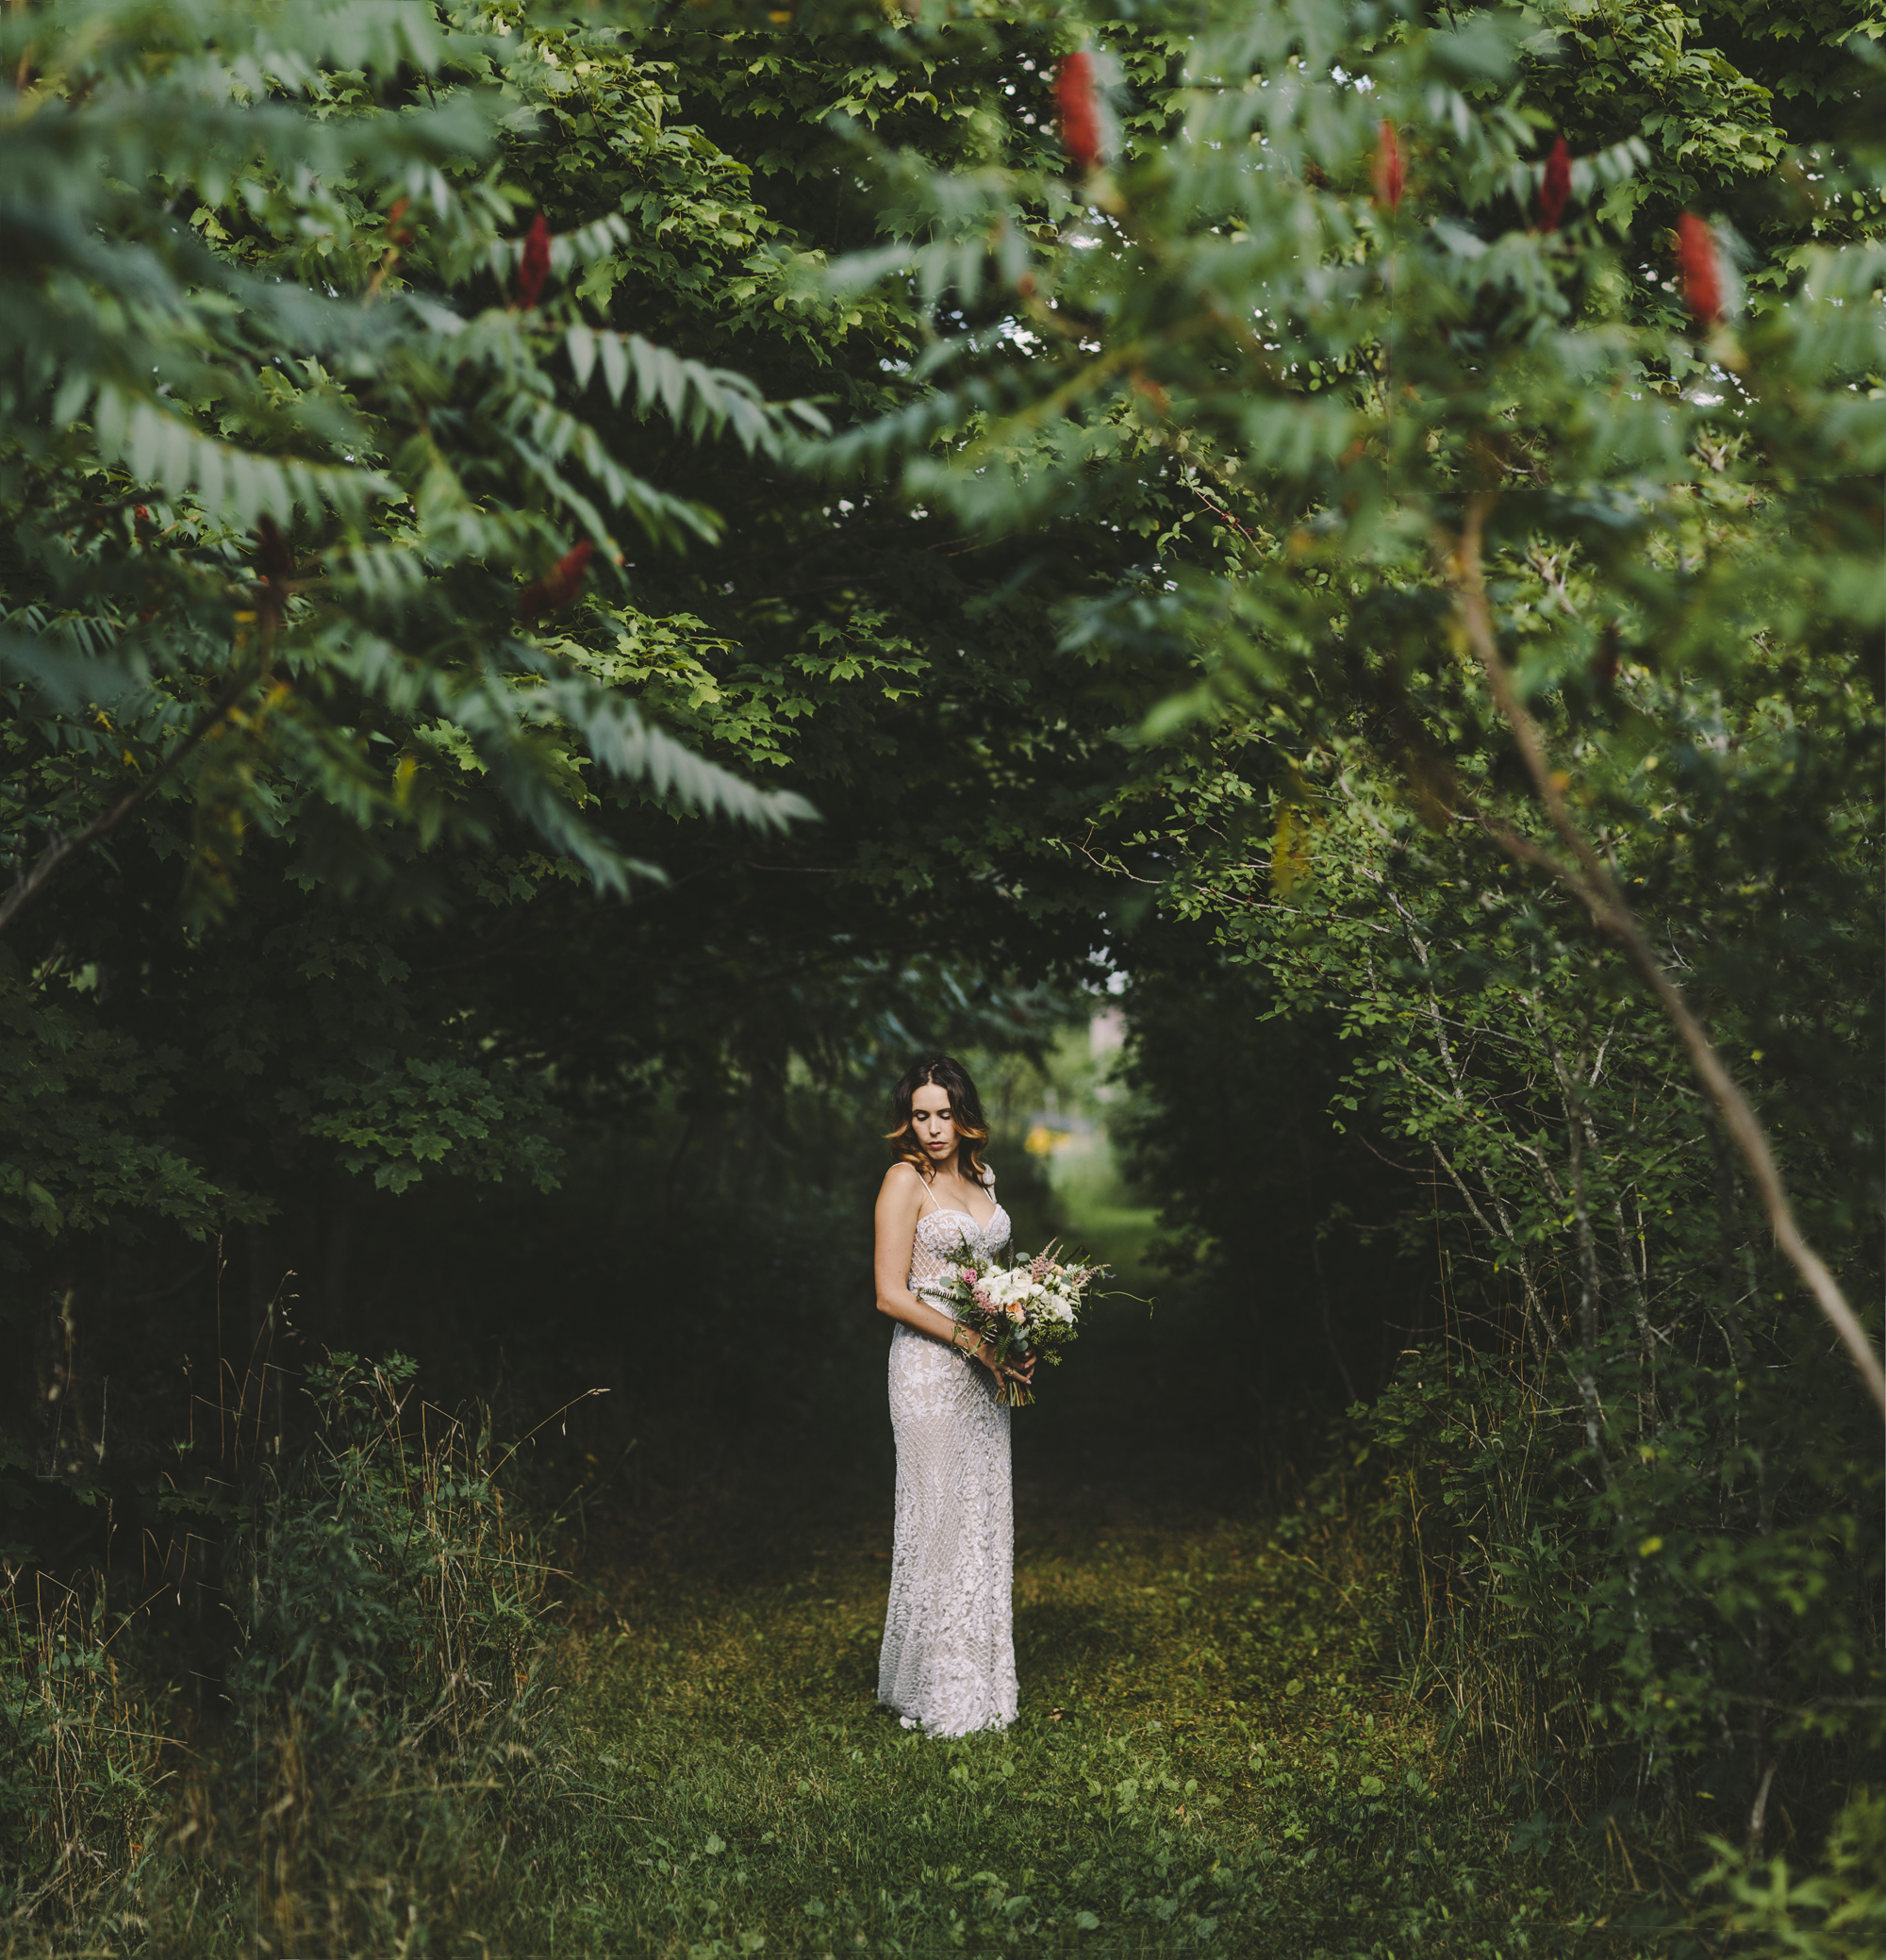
x=1606 y=1637
x=386 y=1732
x=1838 y=1913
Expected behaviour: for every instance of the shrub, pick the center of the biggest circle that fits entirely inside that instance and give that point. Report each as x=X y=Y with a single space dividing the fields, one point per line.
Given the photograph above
x=385 y=1735
x=1837 y=1913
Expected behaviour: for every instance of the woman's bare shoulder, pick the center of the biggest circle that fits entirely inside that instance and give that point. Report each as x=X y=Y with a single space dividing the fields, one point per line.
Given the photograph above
x=902 y=1177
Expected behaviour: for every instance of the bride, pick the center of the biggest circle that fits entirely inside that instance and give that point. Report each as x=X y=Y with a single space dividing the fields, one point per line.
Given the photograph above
x=948 y=1663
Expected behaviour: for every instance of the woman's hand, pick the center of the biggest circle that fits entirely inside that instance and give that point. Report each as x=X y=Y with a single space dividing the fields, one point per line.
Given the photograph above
x=1013 y=1370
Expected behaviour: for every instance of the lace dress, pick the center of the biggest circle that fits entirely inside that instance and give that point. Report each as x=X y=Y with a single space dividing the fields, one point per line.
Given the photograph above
x=948 y=1662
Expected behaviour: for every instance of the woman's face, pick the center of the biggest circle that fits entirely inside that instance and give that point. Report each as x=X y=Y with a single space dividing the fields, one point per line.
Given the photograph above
x=931 y=1124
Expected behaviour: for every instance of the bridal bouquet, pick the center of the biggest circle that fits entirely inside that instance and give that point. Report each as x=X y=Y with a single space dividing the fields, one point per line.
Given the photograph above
x=1032 y=1308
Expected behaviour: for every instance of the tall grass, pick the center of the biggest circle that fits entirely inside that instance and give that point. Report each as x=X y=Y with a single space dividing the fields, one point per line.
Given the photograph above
x=383 y=1744
x=1440 y=1496
x=1461 y=1504
x=83 y=1768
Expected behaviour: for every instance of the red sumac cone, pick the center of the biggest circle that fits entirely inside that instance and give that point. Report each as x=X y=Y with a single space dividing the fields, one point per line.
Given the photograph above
x=1079 y=111
x=1701 y=268
x=559 y=585
x=1556 y=187
x=1389 y=174
x=274 y=559
x=274 y=563
x=533 y=268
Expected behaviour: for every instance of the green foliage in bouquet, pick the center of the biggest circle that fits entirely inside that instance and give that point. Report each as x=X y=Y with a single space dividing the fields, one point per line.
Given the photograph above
x=1026 y=1309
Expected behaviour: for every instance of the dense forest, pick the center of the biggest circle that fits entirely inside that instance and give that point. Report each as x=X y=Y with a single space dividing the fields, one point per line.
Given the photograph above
x=1302 y=585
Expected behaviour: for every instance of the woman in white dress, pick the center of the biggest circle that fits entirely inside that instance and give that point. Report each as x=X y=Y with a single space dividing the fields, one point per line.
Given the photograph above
x=948 y=1662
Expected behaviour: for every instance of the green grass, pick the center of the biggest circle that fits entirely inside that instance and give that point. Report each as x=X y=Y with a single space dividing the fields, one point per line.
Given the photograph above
x=1102 y=1213
x=1207 y=1761
x=1212 y=1758
x=1085 y=1171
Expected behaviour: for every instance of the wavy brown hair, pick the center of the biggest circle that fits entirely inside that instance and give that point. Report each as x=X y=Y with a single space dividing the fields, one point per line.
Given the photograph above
x=966 y=1111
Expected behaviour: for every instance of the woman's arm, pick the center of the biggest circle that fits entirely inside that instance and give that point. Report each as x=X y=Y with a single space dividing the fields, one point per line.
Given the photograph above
x=900 y=1202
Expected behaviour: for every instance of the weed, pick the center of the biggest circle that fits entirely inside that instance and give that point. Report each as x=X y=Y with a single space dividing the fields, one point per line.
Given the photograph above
x=81 y=1770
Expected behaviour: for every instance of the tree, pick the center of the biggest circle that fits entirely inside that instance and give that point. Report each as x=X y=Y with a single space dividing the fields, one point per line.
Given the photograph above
x=1532 y=587
x=284 y=528
x=1362 y=430
x=350 y=938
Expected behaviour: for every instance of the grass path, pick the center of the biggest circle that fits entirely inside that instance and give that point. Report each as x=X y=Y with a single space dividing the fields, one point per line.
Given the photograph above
x=1207 y=1760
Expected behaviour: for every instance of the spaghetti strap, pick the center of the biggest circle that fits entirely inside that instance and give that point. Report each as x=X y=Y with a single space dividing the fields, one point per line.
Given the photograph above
x=988 y=1185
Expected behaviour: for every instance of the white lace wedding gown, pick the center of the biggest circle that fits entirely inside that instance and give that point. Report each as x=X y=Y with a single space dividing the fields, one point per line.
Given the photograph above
x=948 y=1662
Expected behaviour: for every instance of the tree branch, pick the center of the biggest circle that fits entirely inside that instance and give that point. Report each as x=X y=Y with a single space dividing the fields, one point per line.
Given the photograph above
x=57 y=856
x=1589 y=878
